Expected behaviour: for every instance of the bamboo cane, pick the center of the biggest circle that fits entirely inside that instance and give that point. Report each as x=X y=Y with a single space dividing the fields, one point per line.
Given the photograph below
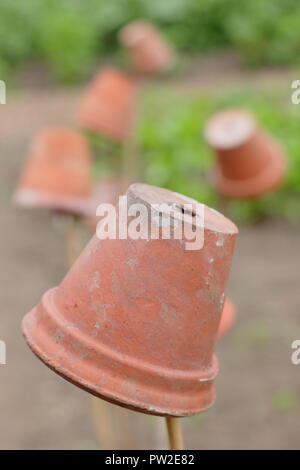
x=175 y=433
x=103 y=423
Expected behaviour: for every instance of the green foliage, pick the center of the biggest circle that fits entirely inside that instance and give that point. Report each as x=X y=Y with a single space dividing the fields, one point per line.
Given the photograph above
x=177 y=157
x=68 y=43
x=265 y=31
x=72 y=35
x=18 y=31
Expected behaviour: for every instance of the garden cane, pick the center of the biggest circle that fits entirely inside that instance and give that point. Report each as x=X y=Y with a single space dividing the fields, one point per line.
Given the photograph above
x=175 y=434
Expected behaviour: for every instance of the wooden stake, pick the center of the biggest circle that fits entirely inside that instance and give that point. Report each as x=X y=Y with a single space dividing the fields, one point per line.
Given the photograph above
x=175 y=433
x=103 y=423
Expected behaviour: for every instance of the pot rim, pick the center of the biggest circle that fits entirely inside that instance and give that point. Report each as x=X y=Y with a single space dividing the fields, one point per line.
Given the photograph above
x=198 y=387
x=34 y=199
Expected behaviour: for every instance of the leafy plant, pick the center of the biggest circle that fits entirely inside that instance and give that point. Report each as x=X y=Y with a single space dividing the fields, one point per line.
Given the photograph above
x=68 y=43
x=18 y=31
x=71 y=35
x=265 y=31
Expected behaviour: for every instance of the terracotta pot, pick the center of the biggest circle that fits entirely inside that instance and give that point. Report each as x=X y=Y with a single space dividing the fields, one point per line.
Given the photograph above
x=250 y=163
x=148 y=50
x=108 y=191
x=57 y=172
x=135 y=321
x=227 y=318
x=109 y=104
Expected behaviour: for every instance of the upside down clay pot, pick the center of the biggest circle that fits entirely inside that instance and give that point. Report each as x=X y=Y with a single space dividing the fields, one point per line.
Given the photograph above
x=148 y=50
x=249 y=162
x=108 y=106
x=227 y=318
x=57 y=172
x=135 y=321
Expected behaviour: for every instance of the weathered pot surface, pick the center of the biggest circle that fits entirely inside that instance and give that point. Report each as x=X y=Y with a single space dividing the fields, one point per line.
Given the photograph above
x=149 y=52
x=108 y=106
x=57 y=172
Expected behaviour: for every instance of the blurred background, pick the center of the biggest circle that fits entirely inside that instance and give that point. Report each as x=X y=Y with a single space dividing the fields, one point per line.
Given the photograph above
x=230 y=54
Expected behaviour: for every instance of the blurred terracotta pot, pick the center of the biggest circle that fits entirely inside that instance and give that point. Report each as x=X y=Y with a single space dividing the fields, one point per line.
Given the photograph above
x=227 y=318
x=108 y=192
x=135 y=321
x=57 y=172
x=250 y=163
x=149 y=51
x=108 y=106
